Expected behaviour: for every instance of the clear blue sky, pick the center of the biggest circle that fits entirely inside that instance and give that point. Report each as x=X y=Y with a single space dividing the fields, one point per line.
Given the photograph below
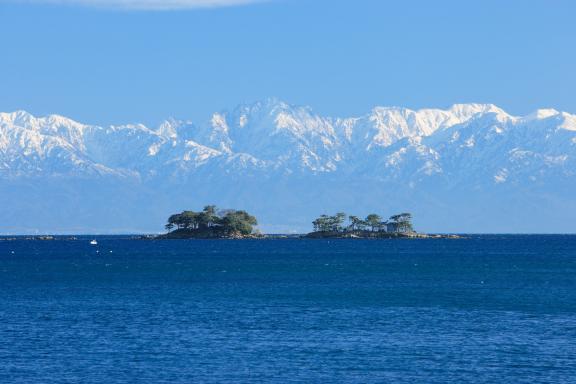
x=108 y=65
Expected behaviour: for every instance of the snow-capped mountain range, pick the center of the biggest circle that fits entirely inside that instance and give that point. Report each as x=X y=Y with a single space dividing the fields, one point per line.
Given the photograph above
x=472 y=167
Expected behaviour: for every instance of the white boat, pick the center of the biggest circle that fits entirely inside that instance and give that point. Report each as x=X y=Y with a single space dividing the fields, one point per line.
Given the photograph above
x=93 y=242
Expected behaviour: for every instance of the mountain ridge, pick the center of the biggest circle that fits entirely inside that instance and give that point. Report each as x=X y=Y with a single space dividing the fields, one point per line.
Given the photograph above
x=273 y=152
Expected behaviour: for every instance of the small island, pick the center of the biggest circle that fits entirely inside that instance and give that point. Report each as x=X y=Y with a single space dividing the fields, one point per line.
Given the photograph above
x=211 y=223
x=372 y=227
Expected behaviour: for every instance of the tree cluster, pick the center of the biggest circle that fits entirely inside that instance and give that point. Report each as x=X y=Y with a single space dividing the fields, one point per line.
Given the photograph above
x=214 y=221
x=341 y=222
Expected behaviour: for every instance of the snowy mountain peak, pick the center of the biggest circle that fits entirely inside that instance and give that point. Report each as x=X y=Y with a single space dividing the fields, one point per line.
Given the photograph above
x=542 y=114
x=168 y=128
x=468 y=110
x=17 y=117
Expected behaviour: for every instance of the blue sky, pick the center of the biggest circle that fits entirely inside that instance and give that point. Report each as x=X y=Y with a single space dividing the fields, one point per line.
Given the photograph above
x=115 y=62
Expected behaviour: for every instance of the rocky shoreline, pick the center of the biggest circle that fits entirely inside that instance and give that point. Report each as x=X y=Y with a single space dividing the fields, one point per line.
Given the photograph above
x=377 y=235
x=313 y=235
x=203 y=236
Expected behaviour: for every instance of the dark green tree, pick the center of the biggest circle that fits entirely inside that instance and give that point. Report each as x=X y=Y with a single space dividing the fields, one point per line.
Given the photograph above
x=373 y=220
x=402 y=222
x=175 y=220
x=324 y=223
x=354 y=221
x=189 y=219
x=338 y=221
x=238 y=221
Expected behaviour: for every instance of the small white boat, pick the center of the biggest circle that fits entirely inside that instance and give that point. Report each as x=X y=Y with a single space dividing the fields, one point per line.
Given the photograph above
x=93 y=242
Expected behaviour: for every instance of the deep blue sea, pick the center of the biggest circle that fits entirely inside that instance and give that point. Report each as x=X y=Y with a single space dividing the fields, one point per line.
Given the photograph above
x=485 y=309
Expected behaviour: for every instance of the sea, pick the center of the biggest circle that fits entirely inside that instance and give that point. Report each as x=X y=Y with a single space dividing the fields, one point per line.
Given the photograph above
x=481 y=309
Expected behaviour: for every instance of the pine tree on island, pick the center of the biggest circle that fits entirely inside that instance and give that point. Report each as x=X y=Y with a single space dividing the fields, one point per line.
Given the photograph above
x=371 y=226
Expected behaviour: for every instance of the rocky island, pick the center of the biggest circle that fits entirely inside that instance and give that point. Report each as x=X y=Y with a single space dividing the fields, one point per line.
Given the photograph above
x=211 y=223
x=342 y=226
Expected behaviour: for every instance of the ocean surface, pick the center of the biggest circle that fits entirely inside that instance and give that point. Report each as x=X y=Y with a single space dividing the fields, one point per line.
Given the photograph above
x=485 y=309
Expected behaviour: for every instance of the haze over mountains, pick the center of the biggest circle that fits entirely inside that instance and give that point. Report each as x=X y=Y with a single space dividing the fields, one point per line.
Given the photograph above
x=470 y=168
